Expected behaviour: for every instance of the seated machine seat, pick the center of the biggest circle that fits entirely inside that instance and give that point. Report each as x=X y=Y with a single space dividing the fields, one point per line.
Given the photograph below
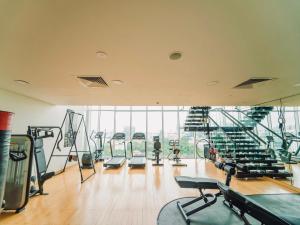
x=196 y=182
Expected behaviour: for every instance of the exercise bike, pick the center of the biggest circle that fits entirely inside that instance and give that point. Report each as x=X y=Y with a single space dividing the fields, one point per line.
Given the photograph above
x=174 y=154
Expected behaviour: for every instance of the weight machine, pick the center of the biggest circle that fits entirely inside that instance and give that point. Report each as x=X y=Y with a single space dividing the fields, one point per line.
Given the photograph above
x=70 y=137
x=39 y=134
x=175 y=151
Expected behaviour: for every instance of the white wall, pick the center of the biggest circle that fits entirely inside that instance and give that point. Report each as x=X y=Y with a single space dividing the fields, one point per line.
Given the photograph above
x=28 y=111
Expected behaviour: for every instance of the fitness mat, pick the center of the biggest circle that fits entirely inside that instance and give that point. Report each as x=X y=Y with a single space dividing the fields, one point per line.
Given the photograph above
x=217 y=214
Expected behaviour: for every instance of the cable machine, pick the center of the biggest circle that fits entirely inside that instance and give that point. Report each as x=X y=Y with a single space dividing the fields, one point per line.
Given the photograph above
x=70 y=137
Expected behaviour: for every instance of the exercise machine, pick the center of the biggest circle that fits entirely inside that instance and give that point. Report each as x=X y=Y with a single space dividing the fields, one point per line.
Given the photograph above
x=87 y=159
x=174 y=154
x=192 y=206
x=72 y=123
x=98 y=138
x=242 y=205
x=234 y=208
x=17 y=182
x=116 y=160
x=285 y=153
x=201 y=184
x=291 y=138
x=157 y=151
x=39 y=134
x=138 y=160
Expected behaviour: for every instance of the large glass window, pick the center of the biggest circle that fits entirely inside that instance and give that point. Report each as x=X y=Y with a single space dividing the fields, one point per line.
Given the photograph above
x=187 y=141
x=154 y=125
x=163 y=122
x=170 y=129
x=122 y=107
x=138 y=108
x=107 y=126
x=138 y=123
x=94 y=120
x=154 y=108
x=123 y=123
x=174 y=108
x=107 y=107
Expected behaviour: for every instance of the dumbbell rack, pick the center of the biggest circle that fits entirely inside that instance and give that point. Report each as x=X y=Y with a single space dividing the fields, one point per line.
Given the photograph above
x=256 y=163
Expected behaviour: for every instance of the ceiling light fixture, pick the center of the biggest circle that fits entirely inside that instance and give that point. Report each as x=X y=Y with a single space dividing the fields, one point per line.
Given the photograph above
x=22 y=82
x=212 y=83
x=101 y=55
x=118 y=82
x=175 y=55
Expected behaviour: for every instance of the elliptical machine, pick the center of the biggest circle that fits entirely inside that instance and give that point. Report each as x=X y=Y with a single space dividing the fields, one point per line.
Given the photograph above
x=98 y=138
x=175 y=151
x=157 y=151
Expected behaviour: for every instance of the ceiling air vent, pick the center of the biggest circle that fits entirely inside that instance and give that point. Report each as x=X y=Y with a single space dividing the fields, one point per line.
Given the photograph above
x=248 y=84
x=92 y=81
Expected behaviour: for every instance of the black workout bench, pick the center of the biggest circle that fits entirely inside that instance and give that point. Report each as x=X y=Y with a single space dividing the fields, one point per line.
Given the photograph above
x=201 y=184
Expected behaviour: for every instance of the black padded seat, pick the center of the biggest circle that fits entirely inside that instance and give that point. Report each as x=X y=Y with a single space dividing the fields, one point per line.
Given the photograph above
x=196 y=182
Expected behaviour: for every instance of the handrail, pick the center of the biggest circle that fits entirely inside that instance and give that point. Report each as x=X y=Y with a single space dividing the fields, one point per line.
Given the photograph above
x=247 y=131
x=271 y=131
x=222 y=130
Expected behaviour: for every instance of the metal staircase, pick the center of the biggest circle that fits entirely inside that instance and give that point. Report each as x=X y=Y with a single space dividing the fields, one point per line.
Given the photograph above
x=238 y=143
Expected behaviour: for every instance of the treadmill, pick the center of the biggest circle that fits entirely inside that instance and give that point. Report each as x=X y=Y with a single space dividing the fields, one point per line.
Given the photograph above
x=138 y=160
x=116 y=161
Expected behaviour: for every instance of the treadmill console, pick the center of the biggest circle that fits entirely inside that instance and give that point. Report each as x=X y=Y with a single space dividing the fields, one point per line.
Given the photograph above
x=138 y=136
x=119 y=136
x=155 y=138
x=98 y=134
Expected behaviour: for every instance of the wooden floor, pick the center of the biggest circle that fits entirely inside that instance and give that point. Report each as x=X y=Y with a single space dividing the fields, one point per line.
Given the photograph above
x=120 y=197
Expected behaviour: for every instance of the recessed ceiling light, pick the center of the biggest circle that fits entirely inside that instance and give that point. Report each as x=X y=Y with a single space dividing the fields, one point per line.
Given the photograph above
x=175 y=55
x=22 y=82
x=101 y=55
x=297 y=85
x=118 y=82
x=212 y=83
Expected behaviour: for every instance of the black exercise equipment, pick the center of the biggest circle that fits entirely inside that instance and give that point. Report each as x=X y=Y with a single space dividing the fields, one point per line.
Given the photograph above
x=116 y=160
x=287 y=155
x=201 y=184
x=157 y=151
x=87 y=161
x=138 y=160
x=97 y=156
x=70 y=146
x=17 y=184
x=174 y=154
x=39 y=134
x=284 y=206
x=98 y=138
x=243 y=205
x=5 y=135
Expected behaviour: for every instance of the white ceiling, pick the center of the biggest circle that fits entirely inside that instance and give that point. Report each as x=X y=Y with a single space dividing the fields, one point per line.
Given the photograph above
x=49 y=43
